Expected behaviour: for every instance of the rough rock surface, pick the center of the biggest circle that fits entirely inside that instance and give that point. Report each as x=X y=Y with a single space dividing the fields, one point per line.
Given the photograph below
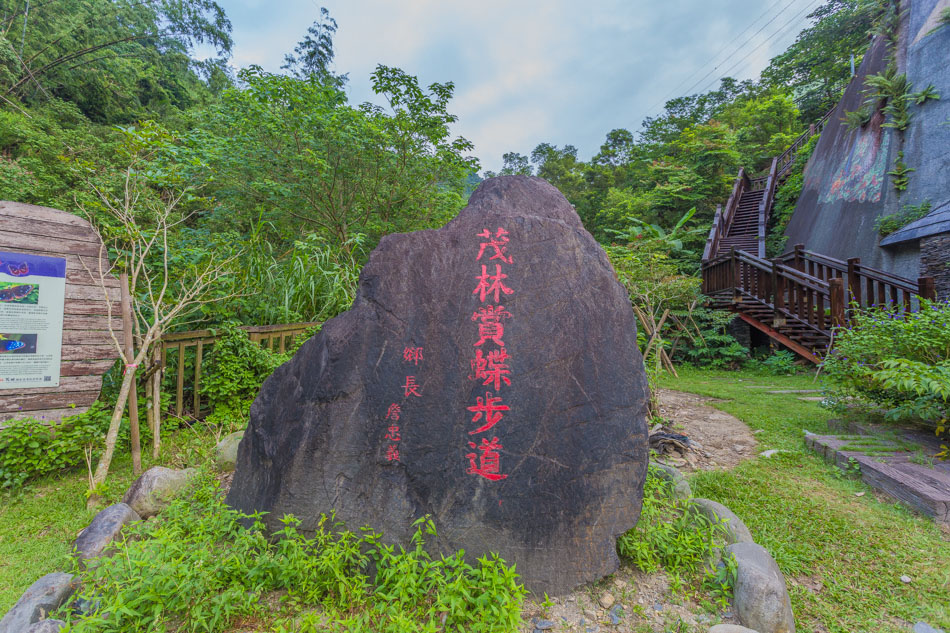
x=155 y=489
x=736 y=530
x=225 y=453
x=47 y=626
x=43 y=596
x=556 y=479
x=681 y=489
x=104 y=528
x=760 y=596
x=730 y=628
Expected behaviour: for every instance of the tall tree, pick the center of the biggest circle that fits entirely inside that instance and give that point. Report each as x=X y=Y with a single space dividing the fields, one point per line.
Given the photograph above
x=293 y=152
x=817 y=67
x=314 y=53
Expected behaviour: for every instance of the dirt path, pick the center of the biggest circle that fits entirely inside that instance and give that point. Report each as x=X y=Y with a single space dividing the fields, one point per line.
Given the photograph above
x=724 y=440
x=639 y=601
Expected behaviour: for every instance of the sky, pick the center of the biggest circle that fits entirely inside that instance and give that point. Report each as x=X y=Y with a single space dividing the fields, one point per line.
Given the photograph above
x=533 y=71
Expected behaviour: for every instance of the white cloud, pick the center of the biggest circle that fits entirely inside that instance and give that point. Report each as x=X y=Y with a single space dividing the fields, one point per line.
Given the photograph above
x=529 y=71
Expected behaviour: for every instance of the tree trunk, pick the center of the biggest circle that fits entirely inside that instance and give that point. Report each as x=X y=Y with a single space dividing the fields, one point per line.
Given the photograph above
x=127 y=324
x=157 y=403
x=102 y=470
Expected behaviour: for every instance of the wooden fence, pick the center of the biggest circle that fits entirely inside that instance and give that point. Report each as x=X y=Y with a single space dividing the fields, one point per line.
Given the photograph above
x=275 y=338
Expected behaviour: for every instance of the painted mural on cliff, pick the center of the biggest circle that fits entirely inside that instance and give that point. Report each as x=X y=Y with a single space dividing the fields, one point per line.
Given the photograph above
x=860 y=176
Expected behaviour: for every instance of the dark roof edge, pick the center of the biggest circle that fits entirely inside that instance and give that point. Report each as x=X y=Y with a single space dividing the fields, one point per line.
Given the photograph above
x=934 y=223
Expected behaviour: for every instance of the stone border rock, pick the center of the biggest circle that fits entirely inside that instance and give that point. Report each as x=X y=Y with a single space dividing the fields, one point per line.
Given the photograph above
x=152 y=491
x=681 y=489
x=760 y=596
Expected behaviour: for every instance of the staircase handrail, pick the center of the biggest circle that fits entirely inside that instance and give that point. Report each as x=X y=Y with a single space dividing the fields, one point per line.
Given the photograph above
x=765 y=206
x=724 y=216
x=852 y=266
x=787 y=158
x=789 y=272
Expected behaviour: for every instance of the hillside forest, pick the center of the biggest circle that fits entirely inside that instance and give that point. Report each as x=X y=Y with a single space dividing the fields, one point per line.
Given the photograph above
x=295 y=185
x=261 y=194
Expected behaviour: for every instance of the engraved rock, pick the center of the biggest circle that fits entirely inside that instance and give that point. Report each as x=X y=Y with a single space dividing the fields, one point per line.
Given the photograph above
x=487 y=375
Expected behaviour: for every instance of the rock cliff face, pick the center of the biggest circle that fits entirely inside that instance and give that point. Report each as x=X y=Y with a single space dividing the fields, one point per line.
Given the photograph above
x=487 y=375
x=847 y=185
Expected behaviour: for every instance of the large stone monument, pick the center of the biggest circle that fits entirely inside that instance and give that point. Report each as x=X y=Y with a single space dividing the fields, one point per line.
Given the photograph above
x=487 y=375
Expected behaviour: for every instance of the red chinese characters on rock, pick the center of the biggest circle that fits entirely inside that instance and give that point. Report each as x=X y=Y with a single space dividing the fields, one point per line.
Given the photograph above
x=491 y=409
x=410 y=388
x=498 y=244
x=491 y=362
x=493 y=369
x=412 y=354
x=490 y=460
x=484 y=289
x=392 y=415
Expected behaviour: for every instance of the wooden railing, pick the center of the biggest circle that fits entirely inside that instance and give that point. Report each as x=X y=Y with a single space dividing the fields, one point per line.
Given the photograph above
x=787 y=158
x=178 y=344
x=724 y=216
x=765 y=206
x=789 y=292
x=864 y=286
x=813 y=289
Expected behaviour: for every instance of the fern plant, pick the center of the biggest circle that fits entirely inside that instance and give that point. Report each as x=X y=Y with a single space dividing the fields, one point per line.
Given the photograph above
x=900 y=175
x=927 y=93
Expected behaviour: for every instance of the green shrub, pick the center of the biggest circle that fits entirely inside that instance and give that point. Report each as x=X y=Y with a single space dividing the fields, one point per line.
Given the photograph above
x=897 y=362
x=31 y=448
x=196 y=568
x=710 y=345
x=236 y=368
x=670 y=533
x=780 y=363
x=887 y=224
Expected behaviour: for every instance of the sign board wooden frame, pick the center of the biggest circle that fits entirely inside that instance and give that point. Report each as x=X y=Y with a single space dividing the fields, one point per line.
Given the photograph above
x=88 y=350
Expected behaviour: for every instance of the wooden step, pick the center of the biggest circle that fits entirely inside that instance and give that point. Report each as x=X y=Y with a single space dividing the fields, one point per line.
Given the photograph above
x=920 y=487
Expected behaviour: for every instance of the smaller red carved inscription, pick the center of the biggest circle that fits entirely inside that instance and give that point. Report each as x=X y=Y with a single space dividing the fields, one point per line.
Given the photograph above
x=392 y=453
x=392 y=413
x=393 y=434
x=412 y=354
x=411 y=388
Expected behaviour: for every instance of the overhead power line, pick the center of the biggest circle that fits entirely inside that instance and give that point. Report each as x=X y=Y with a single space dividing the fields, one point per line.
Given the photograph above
x=713 y=59
x=780 y=32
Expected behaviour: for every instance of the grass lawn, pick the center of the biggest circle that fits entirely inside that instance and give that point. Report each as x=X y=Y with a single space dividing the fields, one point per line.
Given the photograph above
x=842 y=555
x=39 y=522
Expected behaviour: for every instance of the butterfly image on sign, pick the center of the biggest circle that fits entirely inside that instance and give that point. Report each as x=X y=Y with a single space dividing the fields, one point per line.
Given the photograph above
x=19 y=293
x=17 y=269
x=18 y=343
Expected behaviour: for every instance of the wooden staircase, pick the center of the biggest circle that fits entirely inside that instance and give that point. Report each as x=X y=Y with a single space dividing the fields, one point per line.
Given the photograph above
x=743 y=232
x=797 y=299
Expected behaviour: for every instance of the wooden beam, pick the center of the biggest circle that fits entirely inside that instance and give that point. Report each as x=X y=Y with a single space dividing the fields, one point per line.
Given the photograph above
x=799 y=349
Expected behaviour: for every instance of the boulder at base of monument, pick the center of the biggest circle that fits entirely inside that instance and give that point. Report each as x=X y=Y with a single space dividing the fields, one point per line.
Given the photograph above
x=487 y=375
